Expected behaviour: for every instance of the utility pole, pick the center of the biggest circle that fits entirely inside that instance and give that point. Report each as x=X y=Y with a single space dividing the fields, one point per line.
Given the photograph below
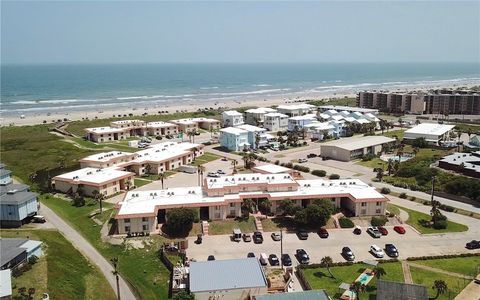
x=281 y=248
x=115 y=273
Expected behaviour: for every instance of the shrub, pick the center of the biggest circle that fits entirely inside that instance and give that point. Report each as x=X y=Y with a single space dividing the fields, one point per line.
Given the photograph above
x=277 y=162
x=379 y=221
x=289 y=165
x=334 y=176
x=180 y=221
x=319 y=173
x=301 y=168
x=32 y=259
x=368 y=157
x=403 y=196
x=440 y=224
x=413 y=198
x=345 y=222
x=385 y=190
x=447 y=208
x=420 y=143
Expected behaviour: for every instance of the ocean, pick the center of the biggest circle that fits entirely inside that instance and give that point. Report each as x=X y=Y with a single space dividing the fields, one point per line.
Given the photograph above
x=49 y=88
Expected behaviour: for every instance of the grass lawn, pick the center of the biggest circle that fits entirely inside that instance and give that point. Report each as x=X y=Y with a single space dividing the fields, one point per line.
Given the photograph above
x=141 y=182
x=277 y=223
x=205 y=158
x=373 y=163
x=319 y=278
x=394 y=133
x=393 y=209
x=455 y=285
x=141 y=267
x=416 y=219
x=227 y=226
x=63 y=272
x=463 y=265
x=464 y=127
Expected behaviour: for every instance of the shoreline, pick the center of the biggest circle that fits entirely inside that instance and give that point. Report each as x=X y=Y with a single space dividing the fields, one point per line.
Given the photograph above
x=73 y=114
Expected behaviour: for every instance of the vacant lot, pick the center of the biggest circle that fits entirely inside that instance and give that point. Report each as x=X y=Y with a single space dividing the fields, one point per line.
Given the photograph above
x=227 y=226
x=455 y=285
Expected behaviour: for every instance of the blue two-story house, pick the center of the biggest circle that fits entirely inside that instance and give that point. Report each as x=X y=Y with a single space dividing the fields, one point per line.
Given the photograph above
x=17 y=204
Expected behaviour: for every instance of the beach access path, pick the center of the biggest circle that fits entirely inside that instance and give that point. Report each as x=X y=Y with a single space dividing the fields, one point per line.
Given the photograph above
x=79 y=242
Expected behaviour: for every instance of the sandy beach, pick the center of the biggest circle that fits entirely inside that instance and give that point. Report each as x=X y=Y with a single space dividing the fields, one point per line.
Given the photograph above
x=21 y=119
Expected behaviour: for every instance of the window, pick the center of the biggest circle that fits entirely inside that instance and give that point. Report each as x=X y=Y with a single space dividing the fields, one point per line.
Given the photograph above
x=217 y=207
x=127 y=228
x=145 y=227
x=379 y=203
x=144 y=219
x=232 y=204
x=127 y=220
x=364 y=204
x=363 y=212
x=378 y=210
x=105 y=186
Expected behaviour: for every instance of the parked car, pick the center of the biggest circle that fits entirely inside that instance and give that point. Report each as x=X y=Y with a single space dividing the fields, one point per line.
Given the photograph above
x=302 y=256
x=302 y=235
x=311 y=155
x=391 y=250
x=257 y=237
x=276 y=236
x=357 y=230
x=347 y=253
x=220 y=172
x=263 y=259
x=474 y=244
x=158 y=137
x=383 y=230
x=399 y=229
x=251 y=255
x=286 y=260
x=237 y=235
x=374 y=232
x=213 y=174
x=224 y=158
x=38 y=219
x=376 y=251
x=323 y=233
x=273 y=259
x=302 y=160
x=211 y=257
x=246 y=237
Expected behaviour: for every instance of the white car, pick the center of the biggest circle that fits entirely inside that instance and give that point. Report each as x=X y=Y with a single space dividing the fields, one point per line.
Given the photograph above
x=376 y=251
x=374 y=232
x=302 y=160
x=276 y=236
x=213 y=174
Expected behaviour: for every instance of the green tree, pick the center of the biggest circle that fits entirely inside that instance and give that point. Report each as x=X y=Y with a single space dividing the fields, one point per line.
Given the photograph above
x=180 y=221
x=379 y=272
x=264 y=206
x=326 y=262
x=246 y=207
x=440 y=286
x=183 y=295
x=257 y=140
x=390 y=165
x=380 y=174
x=148 y=169
x=161 y=177
x=289 y=207
x=358 y=288
x=234 y=164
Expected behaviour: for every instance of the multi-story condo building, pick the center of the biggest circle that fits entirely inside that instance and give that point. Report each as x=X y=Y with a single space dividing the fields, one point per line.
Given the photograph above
x=275 y=121
x=220 y=198
x=231 y=118
x=256 y=116
x=452 y=104
x=391 y=102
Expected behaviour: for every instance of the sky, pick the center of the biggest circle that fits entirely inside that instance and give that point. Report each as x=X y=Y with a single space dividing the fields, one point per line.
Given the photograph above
x=68 y=32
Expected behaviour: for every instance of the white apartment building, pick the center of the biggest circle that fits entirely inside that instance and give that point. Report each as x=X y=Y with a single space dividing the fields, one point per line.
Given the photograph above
x=256 y=116
x=231 y=118
x=275 y=121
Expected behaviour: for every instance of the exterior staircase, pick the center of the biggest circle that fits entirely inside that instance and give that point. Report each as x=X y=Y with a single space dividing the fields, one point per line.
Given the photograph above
x=258 y=224
x=205 y=227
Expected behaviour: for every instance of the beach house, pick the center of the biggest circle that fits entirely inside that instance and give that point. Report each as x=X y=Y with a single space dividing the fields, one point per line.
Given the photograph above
x=17 y=204
x=275 y=121
x=296 y=109
x=256 y=116
x=231 y=118
x=300 y=121
x=256 y=134
x=221 y=198
x=234 y=139
x=433 y=133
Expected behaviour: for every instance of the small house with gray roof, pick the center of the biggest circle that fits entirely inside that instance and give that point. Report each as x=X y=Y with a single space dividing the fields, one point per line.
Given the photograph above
x=17 y=204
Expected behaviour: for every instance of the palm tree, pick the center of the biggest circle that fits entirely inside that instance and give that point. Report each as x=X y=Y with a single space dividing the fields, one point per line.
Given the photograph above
x=191 y=136
x=390 y=166
x=200 y=171
x=379 y=272
x=234 y=164
x=469 y=132
x=358 y=288
x=148 y=169
x=161 y=177
x=327 y=262
x=194 y=150
x=257 y=140
x=98 y=198
x=248 y=158
x=383 y=125
x=380 y=174
x=440 y=286
x=415 y=151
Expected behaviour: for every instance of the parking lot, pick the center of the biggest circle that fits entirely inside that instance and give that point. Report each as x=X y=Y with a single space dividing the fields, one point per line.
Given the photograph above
x=409 y=244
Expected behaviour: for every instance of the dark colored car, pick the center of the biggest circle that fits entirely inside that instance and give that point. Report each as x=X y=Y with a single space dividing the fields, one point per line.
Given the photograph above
x=391 y=250
x=246 y=237
x=311 y=155
x=347 y=253
x=251 y=255
x=473 y=245
x=302 y=256
x=357 y=230
x=399 y=229
x=257 y=237
x=383 y=230
x=211 y=257
x=323 y=233
x=302 y=235
x=286 y=260
x=273 y=259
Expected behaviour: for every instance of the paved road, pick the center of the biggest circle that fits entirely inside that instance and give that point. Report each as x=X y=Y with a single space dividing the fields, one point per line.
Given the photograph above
x=88 y=251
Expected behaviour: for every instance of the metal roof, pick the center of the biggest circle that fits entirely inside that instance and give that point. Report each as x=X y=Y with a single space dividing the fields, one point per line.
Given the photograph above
x=19 y=187
x=5 y=283
x=17 y=197
x=10 y=248
x=359 y=142
x=305 y=295
x=226 y=275
x=389 y=290
x=5 y=172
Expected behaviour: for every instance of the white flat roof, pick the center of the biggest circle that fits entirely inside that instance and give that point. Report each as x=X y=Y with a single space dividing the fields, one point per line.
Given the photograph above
x=430 y=129
x=320 y=126
x=348 y=108
x=260 y=110
x=276 y=114
x=145 y=202
x=232 y=113
x=272 y=169
x=106 y=129
x=296 y=106
x=354 y=143
x=164 y=151
x=184 y=121
x=205 y=120
x=159 y=124
x=251 y=128
x=106 y=156
x=93 y=175
x=233 y=130
x=126 y=122
x=5 y=283
x=234 y=180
